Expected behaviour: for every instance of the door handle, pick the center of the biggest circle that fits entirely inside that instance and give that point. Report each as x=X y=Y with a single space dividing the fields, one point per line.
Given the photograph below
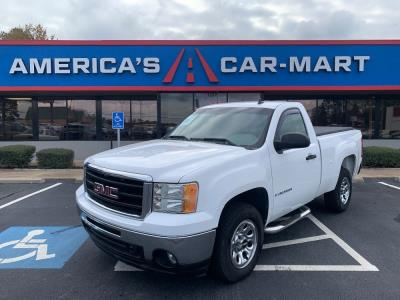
x=311 y=156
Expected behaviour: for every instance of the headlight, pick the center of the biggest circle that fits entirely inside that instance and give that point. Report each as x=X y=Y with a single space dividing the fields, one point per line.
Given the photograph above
x=175 y=198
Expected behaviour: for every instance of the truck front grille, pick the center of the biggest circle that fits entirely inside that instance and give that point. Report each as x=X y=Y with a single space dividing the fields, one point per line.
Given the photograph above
x=115 y=192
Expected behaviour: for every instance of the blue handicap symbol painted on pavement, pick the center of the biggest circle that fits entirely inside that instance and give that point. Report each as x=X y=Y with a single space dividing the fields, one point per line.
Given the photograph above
x=39 y=247
x=118 y=120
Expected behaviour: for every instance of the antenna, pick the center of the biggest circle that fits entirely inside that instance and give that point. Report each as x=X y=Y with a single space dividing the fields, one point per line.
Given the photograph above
x=260 y=101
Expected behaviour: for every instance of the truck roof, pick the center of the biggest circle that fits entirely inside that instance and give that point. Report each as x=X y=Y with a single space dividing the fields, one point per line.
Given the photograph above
x=265 y=104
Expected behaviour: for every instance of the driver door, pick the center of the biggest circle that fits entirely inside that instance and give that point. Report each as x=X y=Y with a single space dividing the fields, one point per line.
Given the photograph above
x=295 y=172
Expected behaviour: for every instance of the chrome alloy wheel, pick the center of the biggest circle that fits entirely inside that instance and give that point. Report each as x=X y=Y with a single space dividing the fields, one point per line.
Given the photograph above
x=244 y=244
x=345 y=190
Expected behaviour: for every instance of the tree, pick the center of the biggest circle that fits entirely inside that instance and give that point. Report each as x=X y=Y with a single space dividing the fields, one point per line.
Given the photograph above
x=28 y=32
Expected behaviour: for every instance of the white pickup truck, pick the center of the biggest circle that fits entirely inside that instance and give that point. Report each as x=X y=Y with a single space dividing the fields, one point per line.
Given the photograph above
x=202 y=197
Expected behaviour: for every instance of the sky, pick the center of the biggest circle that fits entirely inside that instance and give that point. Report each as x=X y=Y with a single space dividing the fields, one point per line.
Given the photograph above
x=207 y=19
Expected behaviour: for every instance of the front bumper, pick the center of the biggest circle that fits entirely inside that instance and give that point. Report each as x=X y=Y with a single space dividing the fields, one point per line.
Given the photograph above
x=147 y=251
x=192 y=252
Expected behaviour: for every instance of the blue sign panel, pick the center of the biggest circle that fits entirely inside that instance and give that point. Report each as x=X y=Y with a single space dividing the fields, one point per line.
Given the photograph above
x=39 y=247
x=118 y=120
x=199 y=65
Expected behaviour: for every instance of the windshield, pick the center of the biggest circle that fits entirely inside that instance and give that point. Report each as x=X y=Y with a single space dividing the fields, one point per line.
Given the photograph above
x=236 y=126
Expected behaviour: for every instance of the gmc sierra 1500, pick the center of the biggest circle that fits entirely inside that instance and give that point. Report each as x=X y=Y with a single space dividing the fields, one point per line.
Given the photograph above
x=202 y=197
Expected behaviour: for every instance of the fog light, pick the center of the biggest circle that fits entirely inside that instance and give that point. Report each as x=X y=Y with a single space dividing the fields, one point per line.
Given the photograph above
x=171 y=258
x=165 y=259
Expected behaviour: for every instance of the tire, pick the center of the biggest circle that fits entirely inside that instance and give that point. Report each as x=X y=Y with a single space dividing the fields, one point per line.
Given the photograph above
x=339 y=199
x=238 y=216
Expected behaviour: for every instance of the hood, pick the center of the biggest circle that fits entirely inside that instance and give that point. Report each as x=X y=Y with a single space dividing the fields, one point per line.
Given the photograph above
x=164 y=160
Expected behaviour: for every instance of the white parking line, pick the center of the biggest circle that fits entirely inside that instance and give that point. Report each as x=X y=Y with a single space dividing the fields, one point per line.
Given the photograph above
x=389 y=185
x=364 y=265
x=296 y=241
x=361 y=260
x=30 y=195
x=123 y=267
x=314 y=268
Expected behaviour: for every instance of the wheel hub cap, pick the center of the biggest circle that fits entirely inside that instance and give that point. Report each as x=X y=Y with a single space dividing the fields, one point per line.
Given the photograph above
x=345 y=190
x=243 y=244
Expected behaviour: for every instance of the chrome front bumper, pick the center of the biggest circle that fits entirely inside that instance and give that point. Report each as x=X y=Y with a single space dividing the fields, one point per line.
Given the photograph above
x=192 y=253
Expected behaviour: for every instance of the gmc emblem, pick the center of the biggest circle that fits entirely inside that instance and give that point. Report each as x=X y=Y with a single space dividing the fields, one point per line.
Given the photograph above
x=105 y=190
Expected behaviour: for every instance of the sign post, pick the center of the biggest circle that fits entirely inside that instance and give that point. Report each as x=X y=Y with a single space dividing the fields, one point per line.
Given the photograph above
x=118 y=123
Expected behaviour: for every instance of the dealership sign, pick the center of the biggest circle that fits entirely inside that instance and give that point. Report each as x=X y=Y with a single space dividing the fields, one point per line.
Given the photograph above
x=199 y=65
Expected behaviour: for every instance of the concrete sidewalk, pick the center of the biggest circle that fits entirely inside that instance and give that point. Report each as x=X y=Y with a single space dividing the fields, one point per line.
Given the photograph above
x=393 y=173
x=41 y=175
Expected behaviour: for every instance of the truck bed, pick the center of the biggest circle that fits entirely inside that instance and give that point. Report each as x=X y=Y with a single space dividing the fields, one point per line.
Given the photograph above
x=324 y=130
x=335 y=144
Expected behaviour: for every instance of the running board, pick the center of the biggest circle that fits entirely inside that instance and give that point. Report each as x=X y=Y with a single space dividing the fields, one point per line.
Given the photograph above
x=288 y=220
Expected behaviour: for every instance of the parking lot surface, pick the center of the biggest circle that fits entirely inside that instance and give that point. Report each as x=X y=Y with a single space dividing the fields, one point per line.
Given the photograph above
x=44 y=253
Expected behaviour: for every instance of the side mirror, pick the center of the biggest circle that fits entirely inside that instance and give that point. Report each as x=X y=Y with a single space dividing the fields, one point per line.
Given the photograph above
x=292 y=141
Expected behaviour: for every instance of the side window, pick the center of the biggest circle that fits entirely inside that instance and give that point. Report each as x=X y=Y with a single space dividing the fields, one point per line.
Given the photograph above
x=291 y=122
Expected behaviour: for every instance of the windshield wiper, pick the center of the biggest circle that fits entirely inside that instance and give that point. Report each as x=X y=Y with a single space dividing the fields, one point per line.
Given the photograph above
x=178 y=137
x=216 y=140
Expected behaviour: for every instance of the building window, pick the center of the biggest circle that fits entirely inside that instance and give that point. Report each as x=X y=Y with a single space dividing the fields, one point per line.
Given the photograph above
x=309 y=104
x=174 y=108
x=69 y=118
x=240 y=97
x=331 y=113
x=390 y=120
x=311 y=108
x=52 y=119
x=16 y=119
x=360 y=114
x=144 y=119
x=203 y=99
x=140 y=119
x=81 y=120
x=108 y=107
x=62 y=119
x=357 y=113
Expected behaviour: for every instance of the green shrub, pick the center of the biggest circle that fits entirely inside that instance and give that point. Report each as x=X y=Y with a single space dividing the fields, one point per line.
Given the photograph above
x=16 y=156
x=55 y=158
x=381 y=157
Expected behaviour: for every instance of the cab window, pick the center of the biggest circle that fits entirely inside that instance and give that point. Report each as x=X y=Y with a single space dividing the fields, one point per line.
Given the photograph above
x=291 y=121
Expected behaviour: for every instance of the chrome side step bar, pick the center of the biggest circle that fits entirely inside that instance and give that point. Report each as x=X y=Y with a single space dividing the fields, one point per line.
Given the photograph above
x=288 y=220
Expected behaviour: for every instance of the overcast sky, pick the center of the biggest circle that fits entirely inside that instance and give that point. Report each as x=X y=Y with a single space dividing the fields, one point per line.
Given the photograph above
x=207 y=19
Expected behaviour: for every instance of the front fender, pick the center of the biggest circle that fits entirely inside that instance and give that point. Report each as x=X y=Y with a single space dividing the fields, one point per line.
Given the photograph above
x=221 y=182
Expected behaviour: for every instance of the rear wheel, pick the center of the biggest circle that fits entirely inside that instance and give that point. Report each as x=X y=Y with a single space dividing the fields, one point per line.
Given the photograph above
x=339 y=199
x=238 y=243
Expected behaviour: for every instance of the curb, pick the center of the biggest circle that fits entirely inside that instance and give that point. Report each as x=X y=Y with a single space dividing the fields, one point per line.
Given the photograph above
x=358 y=179
x=37 y=180
x=395 y=178
x=23 y=180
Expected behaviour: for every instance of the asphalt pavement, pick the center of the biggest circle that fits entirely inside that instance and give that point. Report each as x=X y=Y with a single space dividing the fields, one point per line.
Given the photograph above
x=353 y=255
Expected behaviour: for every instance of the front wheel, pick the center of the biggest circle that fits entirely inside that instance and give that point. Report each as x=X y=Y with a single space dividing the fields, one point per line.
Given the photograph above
x=238 y=243
x=339 y=199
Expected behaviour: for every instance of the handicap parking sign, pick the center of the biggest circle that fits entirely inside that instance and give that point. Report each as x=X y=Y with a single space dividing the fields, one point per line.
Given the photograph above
x=39 y=247
x=118 y=120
